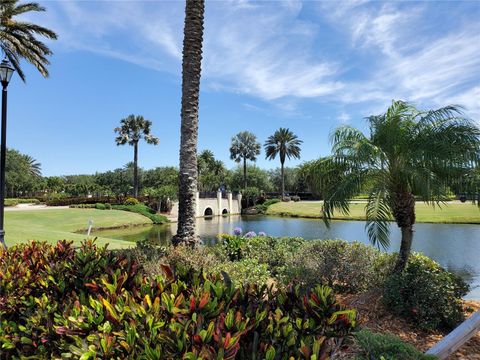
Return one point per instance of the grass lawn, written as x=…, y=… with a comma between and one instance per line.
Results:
x=452, y=212
x=58, y=224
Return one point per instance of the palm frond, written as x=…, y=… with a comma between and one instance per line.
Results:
x=244, y=146
x=18, y=39
x=378, y=217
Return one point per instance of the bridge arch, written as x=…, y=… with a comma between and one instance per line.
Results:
x=224, y=212
x=208, y=212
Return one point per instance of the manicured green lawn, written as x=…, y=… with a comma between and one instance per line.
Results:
x=452, y=212
x=57, y=224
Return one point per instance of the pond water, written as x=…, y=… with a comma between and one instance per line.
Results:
x=454, y=246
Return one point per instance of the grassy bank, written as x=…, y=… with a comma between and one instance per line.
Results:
x=56, y=224
x=454, y=212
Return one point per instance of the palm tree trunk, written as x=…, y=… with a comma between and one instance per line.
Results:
x=282, y=170
x=191, y=71
x=404, y=214
x=405, y=249
x=135, y=170
x=244, y=173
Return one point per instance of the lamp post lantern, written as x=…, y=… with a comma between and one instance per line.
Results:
x=6, y=72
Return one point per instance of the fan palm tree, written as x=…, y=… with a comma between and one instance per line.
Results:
x=244, y=147
x=34, y=168
x=285, y=144
x=408, y=153
x=191, y=72
x=131, y=131
x=18, y=39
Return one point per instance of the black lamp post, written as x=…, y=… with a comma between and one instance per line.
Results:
x=6, y=72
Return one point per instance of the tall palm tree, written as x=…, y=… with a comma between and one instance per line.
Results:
x=191, y=72
x=408, y=153
x=285, y=144
x=18, y=39
x=131, y=131
x=244, y=147
x=34, y=168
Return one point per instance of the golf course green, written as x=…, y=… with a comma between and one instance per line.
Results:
x=454, y=212
x=57, y=224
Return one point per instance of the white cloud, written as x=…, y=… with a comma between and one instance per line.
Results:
x=247, y=47
x=431, y=70
x=270, y=51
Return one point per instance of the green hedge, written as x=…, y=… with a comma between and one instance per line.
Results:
x=16, y=201
x=67, y=201
x=143, y=210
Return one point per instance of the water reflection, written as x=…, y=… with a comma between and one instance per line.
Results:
x=456, y=247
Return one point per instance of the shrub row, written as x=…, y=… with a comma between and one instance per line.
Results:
x=92, y=303
x=98, y=206
x=16, y=201
x=67, y=201
x=143, y=210
x=138, y=208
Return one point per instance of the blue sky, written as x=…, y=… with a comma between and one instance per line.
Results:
x=309, y=66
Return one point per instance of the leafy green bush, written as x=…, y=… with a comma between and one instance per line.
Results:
x=100, y=206
x=262, y=208
x=244, y=272
x=62, y=200
x=16, y=201
x=143, y=210
x=10, y=202
x=83, y=206
x=56, y=302
x=250, y=196
x=347, y=267
x=131, y=201
x=272, y=251
x=108, y=206
x=426, y=294
x=186, y=261
x=386, y=346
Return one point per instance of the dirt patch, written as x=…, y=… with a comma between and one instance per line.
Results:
x=374, y=316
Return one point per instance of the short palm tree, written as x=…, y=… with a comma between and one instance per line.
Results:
x=285, y=144
x=244, y=147
x=408, y=153
x=18, y=39
x=131, y=131
x=191, y=72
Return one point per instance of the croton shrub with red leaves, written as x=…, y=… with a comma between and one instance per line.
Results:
x=91, y=303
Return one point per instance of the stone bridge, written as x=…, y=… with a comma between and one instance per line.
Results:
x=208, y=205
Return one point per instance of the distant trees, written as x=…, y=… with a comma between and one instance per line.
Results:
x=132, y=130
x=22, y=173
x=212, y=173
x=257, y=178
x=244, y=147
x=293, y=180
x=18, y=38
x=285, y=144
